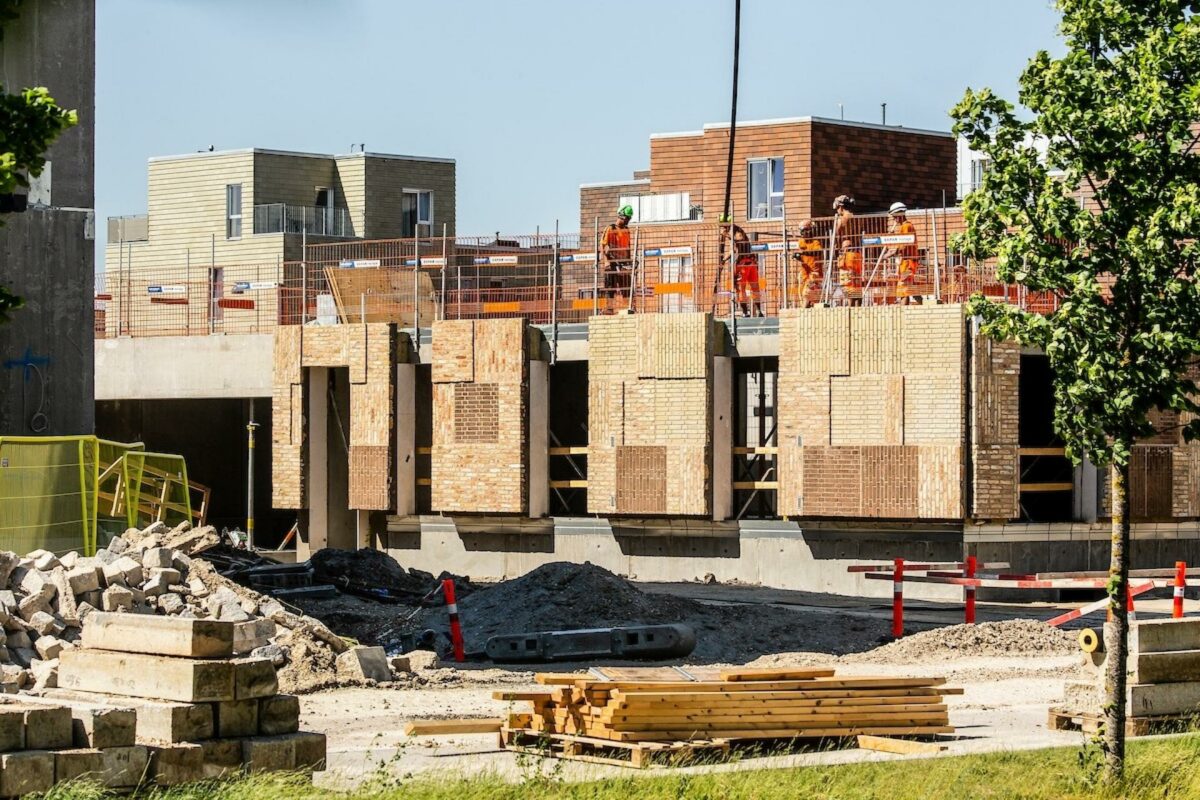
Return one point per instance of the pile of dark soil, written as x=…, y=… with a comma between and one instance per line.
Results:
x=375, y=574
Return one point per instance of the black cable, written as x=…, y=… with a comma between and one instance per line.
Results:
x=737, y=35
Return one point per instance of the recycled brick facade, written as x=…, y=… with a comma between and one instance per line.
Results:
x=871, y=412
x=995, y=429
x=480, y=458
x=823, y=158
x=369, y=354
x=650, y=414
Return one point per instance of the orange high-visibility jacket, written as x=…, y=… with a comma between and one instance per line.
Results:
x=614, y=243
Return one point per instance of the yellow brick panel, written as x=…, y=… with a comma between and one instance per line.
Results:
x=453, y=351
x=940, y=490
x=876, y=334
x=933, y=409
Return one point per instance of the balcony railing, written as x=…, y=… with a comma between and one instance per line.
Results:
x=313, y=220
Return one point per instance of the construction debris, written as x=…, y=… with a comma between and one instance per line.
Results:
x=640, y=715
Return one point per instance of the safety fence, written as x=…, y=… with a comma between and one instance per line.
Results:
x=62, y=493
x=763, y=268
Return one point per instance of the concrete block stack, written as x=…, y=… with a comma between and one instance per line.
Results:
x=200, y=711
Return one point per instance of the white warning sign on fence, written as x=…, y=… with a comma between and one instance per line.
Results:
x=157, y=289
x=895, y=238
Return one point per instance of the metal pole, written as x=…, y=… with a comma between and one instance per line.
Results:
x=304, y=267
x=554, y=299
x=937, y=272
x=596, y=269
x=784, y=267
x=416, y=300
x=212, y=273
x=636, y=266
x=187, y=325
x=250, y=427
x=733, y=304
x=444, y=229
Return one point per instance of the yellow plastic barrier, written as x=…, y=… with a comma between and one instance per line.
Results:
x=48, y=493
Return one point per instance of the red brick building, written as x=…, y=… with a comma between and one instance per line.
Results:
x=793, y=167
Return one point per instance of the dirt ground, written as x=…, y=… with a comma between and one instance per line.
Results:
x=1004, y=705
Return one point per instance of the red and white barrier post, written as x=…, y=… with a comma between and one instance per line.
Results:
x=1180, y=585
x=898, y=598
x=456, y=637
x=969, y=572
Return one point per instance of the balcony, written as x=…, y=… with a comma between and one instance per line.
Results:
x=132, y=228
x=313, y=220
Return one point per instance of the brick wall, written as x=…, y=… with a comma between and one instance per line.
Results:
x=872, y=412
x=995, y=428
x=650, y=414
x=603, y=201
x=480, y=459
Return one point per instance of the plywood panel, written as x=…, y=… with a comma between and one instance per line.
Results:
x=940, y=490
x=370, y=486
x=453, y=351
x=875, y=340
x=641, y=480
x=381, y=294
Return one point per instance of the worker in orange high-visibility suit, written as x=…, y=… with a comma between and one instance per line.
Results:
x=809, y=262
x=618, y=257
x=746, y=284
x=850, y=270
x=906, y=256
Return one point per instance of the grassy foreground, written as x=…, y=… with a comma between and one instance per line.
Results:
x=1157, y=769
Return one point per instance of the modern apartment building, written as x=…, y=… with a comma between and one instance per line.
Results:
x=220, y=225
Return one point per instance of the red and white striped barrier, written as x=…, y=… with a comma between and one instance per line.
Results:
x=456, y=637
x=1099, y=605
x=1178, y=589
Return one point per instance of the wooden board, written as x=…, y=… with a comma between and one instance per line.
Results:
x=441, y=727
x=885, y=744
x=774, y=674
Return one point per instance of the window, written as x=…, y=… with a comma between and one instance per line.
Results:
x=416, y=208
x=764, y=191
x=979, y=166
x=233, y=211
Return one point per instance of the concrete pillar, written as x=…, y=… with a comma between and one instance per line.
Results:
x=539, y=439
x=316, y=474
x=722, y=438
x=406, y=439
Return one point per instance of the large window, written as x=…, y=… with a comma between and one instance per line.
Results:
x=233, y=211
x=764, y=190
x=416, y=208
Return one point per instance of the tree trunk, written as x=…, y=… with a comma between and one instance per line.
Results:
x=1116, y=634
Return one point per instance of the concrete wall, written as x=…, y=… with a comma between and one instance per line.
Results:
x=46, y=254
x=180, y=367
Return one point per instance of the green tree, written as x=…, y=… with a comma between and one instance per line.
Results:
x=1105, y=215
x=29, y=122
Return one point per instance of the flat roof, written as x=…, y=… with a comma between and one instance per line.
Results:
x=603, y=184
x=792, y=120
x=299, y=154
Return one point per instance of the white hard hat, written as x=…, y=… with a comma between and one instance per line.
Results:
x=898, y=208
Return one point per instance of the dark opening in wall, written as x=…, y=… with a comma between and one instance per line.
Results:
x=568, y=411
x=424, y=436
x=1046, y=475
x=755, y=439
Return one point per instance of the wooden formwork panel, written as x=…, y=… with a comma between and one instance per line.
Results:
x=889, y=481
x=832, y=482
x=453, y=351
x=815, y=341
x=934, y=338
x=606, y=414
x=940, y=472
x=934, y=410
x=876, y=340
x=501, y=350
x=325, y=346
x=687, y=480
x=381, y=294
x=286, y=366
x=369, y=479
x=371, y=409
x=641, y=480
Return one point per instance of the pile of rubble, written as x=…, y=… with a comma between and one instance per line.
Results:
x=158, y=570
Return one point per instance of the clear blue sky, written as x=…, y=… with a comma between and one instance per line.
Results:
x=532, y=97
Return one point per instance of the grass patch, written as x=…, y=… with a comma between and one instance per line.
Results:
x=1156, y=769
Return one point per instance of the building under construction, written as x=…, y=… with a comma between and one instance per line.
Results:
x=486, y=404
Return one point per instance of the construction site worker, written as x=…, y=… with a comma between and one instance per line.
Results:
x=809, y=262
x=618, y=256
x=850, y=270
x=746, y=285
x=843, y=212
x=905, y=256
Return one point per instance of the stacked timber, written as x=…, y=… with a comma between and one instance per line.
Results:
x=200, y=711
x=1163, y=689
x=709, y=709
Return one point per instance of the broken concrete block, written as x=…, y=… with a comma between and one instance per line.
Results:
x=25, y=773
x=104, y=557
x=102, y=726
x=86, y=608
x=181, y=562
x=157, y=557
x=419, y=660
x=272, y=652
x=69, y=559
x=33, y=582
x=158, y=528
x=44, y=561
x=174, y=764
x=45, y=674
x=174, y=722
x=116, y=598
x=48, y=728
x=131, y=570
x=48, y=647
x=70, y=765
x=114, y=575
x=252, y=634
x=269, y=754
x=197, y=589
x=64, y=600
x=236, y=718
x=364, y=663
x=254, y=678
x=83, y=580
x=171, y=603
x=161, y=580
x=8, y=562
x=222, y=757
x=279, y=715
x=159, y=635
x=137, y=675
x=125, y=767
x=32, y=604
x=310, y=750
x=8, y=601
x=400, y=665
x=12, y=727
x=45, y=624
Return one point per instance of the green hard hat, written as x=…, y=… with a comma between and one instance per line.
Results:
x=724, y=218
x=625, y=211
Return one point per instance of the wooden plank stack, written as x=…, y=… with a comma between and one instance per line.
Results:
x=651, y=710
